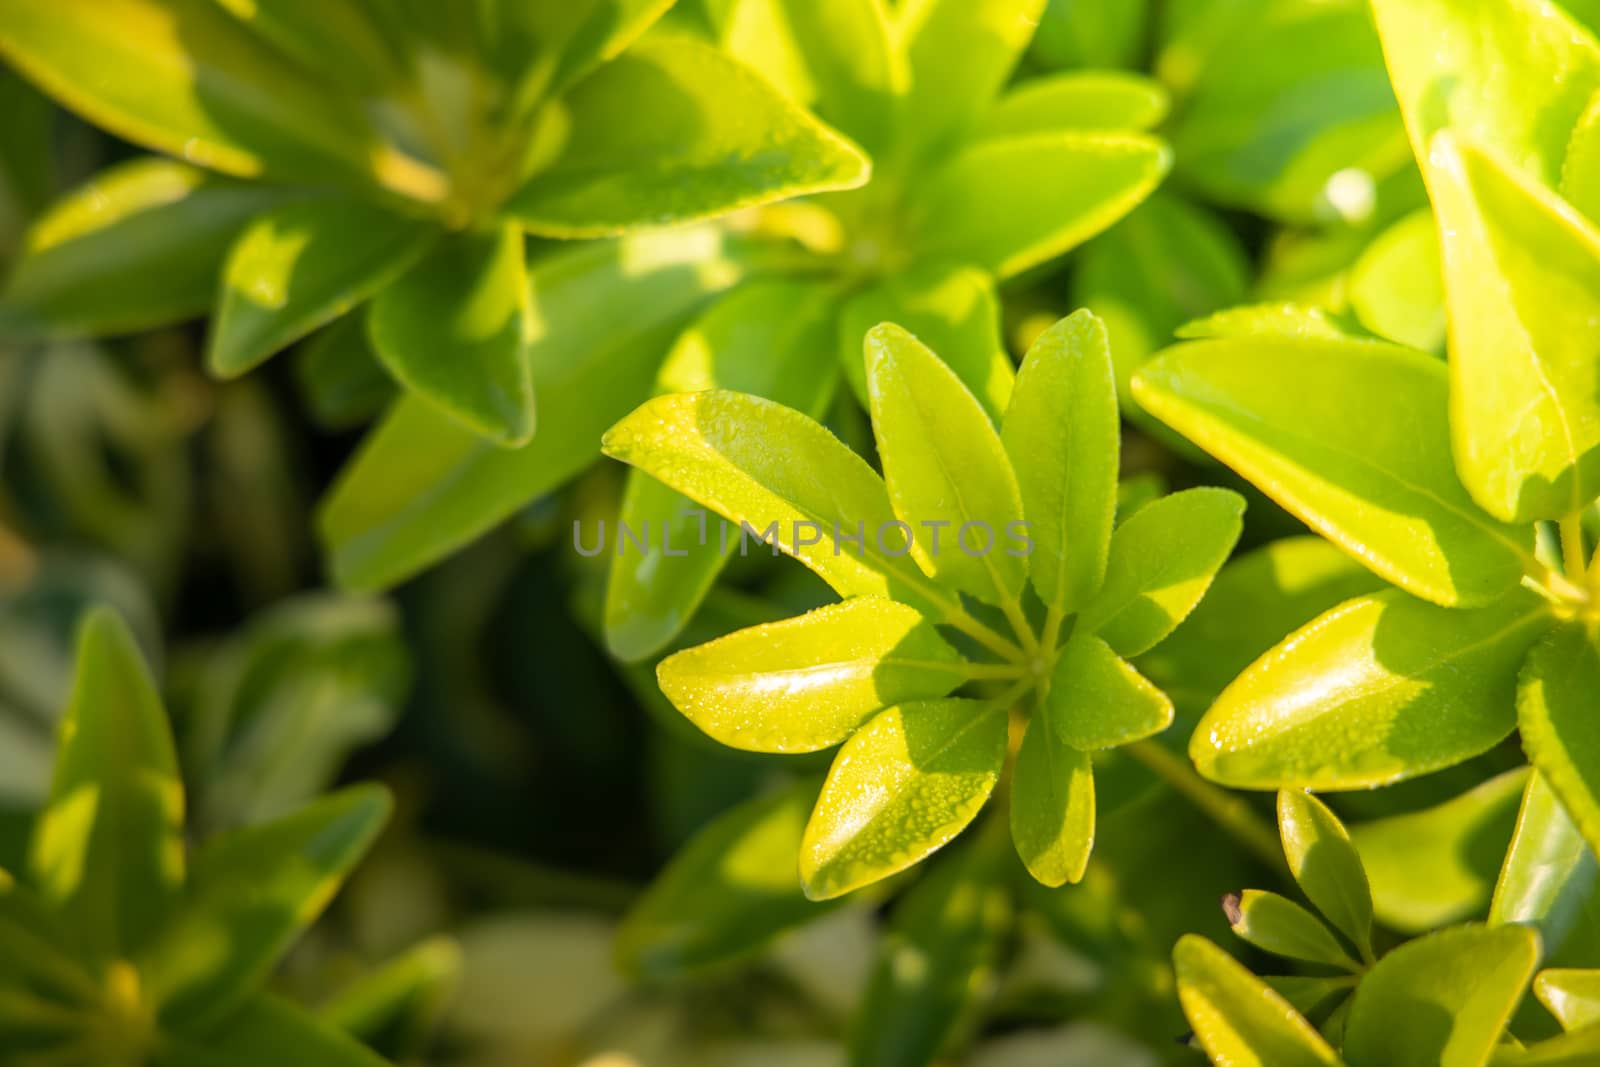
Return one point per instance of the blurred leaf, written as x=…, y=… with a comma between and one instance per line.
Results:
x=1559, y=734
x=944, y=467
x=1096, y=700
x=139, y=246
x=185, y=77
x=763, y=338
x=673, y=131
x=1161, y=563
x=396, y=1007
x=807, y=683
x=1441, y=1000
x=343, y=383
x=300, y=267
x=1062, y=435
x=904, y=784
x=936, y=962
x=1326, y=865
x=1549, y=873
x=1169, y=262
x=1521, y=268
x=1084, y=33
x=1011, y=204
x=732, y=889
x=344, y=41
x=1052, y=805
x=107, y=851
x=1397, y=285
x=1460, y=843
x=1237, y=1018
x=953, y=310
x=590, y=366
x=1382, y=688
x=1292, y=116
x=1080, y=100
x=1368, y=468
x=456, y=330
x=268, y=1032
x=960, y=52
x=252, y=893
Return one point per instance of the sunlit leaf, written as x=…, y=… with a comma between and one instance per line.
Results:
x=1079, y=100
x=900, y=788
x=1096, y=700
x=1052, y=805
x=1549, y=872
x=1238, y=1020
x=1326, y=865
x=1278, y=925
x=1555, y=699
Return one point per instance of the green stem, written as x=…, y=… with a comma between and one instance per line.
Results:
x=960, y=620
x=1053, y=619
x=1000, y=671
x=1019, y=623
x=1229, y=811
x=1573, y=556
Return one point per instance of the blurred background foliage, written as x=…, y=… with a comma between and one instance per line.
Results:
x=543, y=785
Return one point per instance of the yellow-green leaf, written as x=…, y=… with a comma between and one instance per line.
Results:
x=1052, y=805
x=1571, y=994
x=806, y=683
x=1080, y=100
x=1097, y=700
x=1560, y=732
x=1278, y=925
x=1063, y=436
x=1381, y=688
x=947, y=473
x=1326, y=865
x=1351, y=437
x=899, y=789
x=1239, y=1021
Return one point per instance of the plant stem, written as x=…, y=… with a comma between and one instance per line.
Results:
x=960, y=620
x=1002, y=671
x=1053, y=619
x=1232, y=813
x=1019, y=623
x=1573, y=556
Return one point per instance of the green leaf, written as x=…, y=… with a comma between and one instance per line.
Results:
x=936, y=964
x=1580, y=171
x=1460, y=843
x=340, y=377
x=1573, y=996
x=1081, y=101
x=806, y=683
x=1081, y=33
x=1237, y=1018
x=1575, y=1049
x=1325, y=863
x=1052, y=805
x=1278, y=925
x=252, y=893
x=1367, y=467
x=1281, y=321
x=945, y=468
x=1161, y=563
x=1096, y=700
x=1521, y=270
x=137, y=247
x=186, y=78
x=546, y=47
x=590, y=365
x=1397, y=285
x=1169, y=262
x=342, y=40
x=835, y=56
x=899, y=789
x=396, y=1007
x=1465, y=66
x=1549, y=873
x=673, y=130
x=1011, y=204
x=956, y=313
x=456, y=330
x=767, y=467
x=1381, y=688
x=961, y=52
x=1555, y=698
x=1063, y=436
x=107, y=850
x=726, y=894
x=296, y=269
x=1441, y=1000
x=763, y=338
x=268, y=1032
x=1291, y=116
x=1256, y=599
